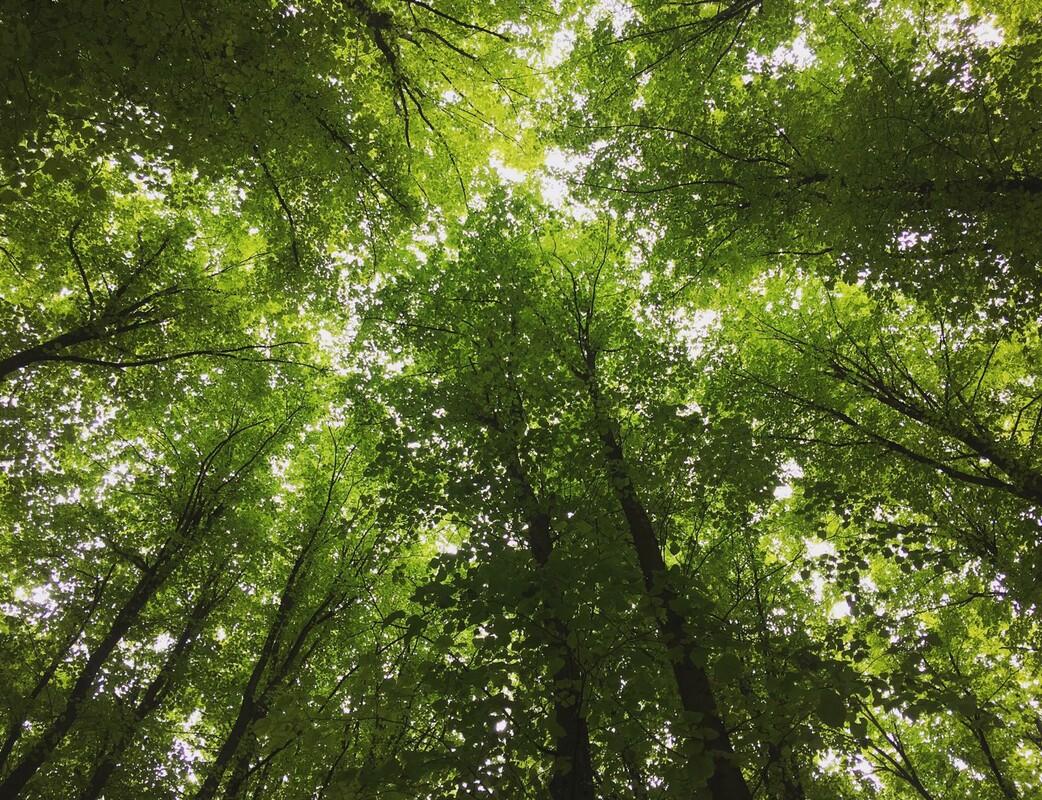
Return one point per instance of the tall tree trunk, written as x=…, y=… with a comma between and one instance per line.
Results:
x=249, y=708
x=197, y=514
x=1005, y=785
x=781, y=762
x=49, y=350
x=256, y=694
x=278, y=655
x=17, y=724
x=148, y=584
x=248, y=711
x=155, y=693
x=572, y=774
x=696, y=695
x=572, y=777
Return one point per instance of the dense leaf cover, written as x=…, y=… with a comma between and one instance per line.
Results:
x=442, y=399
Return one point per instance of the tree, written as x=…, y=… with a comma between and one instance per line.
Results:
x=594, y=401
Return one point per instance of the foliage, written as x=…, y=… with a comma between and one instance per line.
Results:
x=586, y=400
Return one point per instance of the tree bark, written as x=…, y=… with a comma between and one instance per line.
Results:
x=572, y=773
x=17, y=724
x=572, y=776
x=197, y=514
x=696, y=695
x=144, y=590
x=156, y=692
x=49, y=350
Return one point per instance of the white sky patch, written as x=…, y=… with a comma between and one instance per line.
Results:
x=829, y=761
x=864, y=768
x=796, y=55
x=819, y=547
x=559, y=167
x=953, y=31
x=620, y=13
x=506, y=173
x=790, y=471
x=183, y=751
x=162, y=643
x=694, y=327
x=582, y=213
x=560, y=48
x=840, y=610
x=554, y=190
x=986, y=33
x=421, y=256
x=558, y=160
x=71, y=497
x=906, y=240
x=689, y=409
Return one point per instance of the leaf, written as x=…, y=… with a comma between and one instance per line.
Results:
x=832, y=708
x=728, y=667
x=394, y=617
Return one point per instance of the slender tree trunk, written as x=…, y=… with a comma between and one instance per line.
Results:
x=278, y=656
x=253, y=705
x=1024, y=481
x=296, y=655
x=572, y=774
x=696, y=695
x=1004, y=783
x=157, y=691
x=788, y=777
x=196, y=515
x=17, y=724
x=572, y=777
x=237, y=780
x=249, y=708
x=785, y=765
x=638, y=780
x=247, y=713
x=148, y=584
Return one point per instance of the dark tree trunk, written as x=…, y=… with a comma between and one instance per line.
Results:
x=47, y=351
x=572, y=775
x=17, y=724
x=155, y=693
x=696, y=695
x=146, y=587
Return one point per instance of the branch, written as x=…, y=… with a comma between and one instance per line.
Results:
x=468, y=25
x=79, y=264
x=285, y=209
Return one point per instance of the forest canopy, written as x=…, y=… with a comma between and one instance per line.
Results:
x=568, y=399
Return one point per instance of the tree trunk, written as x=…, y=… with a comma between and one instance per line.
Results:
x=696, y=695
x=17, y=724
x=46, y=351
x=196, y=514
x=157, y=691
x=572, y=777
x=146, y=587
x=572, y=774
